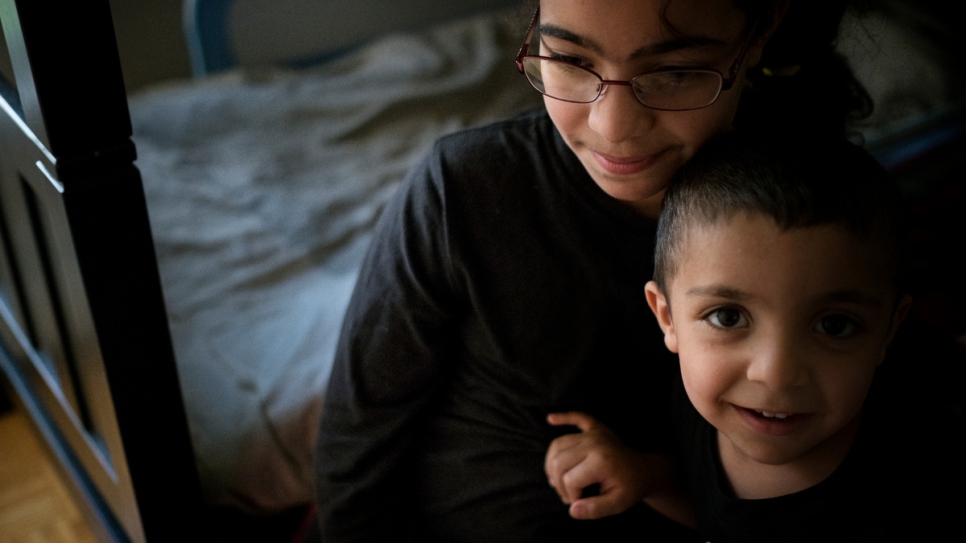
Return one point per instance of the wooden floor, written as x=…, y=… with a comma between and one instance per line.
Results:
x=34, y=505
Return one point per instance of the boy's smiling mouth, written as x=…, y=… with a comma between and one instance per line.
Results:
x=774, y=423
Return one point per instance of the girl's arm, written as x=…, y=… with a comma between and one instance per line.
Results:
x=395, y=338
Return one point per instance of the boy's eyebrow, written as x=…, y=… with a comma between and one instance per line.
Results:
x=839, y=296
x=666, y=46
x=719, y=291
x=854, y=297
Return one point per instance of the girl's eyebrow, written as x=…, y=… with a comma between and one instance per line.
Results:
x=676, y=43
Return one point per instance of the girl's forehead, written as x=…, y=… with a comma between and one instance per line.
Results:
x=630, y=25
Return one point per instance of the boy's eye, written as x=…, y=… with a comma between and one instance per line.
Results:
x=838, y=326
x=727, y=317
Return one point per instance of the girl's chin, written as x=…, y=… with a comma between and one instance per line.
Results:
x=647, y=203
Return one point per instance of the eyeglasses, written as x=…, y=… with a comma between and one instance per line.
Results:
x=667, y=90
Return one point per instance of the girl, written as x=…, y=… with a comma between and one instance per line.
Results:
x=506, y=279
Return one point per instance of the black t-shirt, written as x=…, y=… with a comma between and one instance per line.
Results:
x=902, y=479
x=502, y=284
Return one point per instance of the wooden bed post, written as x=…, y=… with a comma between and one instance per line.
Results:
x=84, y=340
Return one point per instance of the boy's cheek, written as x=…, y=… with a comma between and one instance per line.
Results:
x=699, y=388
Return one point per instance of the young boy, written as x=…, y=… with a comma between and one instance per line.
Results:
x=778, y=282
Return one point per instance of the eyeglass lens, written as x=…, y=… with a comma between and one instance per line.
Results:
x=671, y=90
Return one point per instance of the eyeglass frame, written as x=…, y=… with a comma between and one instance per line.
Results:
x=726, y=82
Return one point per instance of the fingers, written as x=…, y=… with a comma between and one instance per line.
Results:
x=604, y=505
x=576, y=461
x=573, y=418
x=576, y=481
x=616, y=493
x=563, y=455
x=573, y=461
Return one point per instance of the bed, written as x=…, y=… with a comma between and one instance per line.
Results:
x=174, y=264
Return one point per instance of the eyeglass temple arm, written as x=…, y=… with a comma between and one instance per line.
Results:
x=733, y=71
x=526, y=41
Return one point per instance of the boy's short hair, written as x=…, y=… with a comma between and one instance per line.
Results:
x=795, y=180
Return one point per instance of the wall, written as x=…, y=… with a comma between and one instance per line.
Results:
x=150, y=42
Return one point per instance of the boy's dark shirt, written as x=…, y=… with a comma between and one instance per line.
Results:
x=903, y=478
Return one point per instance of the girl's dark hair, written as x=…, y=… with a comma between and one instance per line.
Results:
x=801, y=81
x=799, y=181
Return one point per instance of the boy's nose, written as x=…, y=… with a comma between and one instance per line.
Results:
x=779, y=364
x=617, y=115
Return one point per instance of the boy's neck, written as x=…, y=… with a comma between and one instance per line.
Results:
x=753, y=480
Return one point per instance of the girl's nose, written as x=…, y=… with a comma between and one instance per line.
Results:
x=617, y=115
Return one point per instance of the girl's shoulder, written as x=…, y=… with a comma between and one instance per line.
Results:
x=525, y=131
x=498, y=161
x=523, y=147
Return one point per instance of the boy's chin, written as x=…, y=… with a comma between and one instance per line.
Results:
x=812, y=438
x=772, y=453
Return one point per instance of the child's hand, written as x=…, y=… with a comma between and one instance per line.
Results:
x=595, y=456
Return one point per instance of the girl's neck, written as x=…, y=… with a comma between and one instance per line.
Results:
x=750, y=479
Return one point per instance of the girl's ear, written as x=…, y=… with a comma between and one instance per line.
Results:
x=781, y=8
x=769, y=26
x=661, y=309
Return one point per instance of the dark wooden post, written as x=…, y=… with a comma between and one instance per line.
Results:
x=84, y=337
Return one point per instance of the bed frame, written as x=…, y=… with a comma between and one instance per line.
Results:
x=84, y=342
x=85, y=348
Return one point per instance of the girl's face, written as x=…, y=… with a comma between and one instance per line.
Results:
x=629, y=150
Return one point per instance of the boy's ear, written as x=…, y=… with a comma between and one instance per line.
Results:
x=661, y=309
x=899, y=315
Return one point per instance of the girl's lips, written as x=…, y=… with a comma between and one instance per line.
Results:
x=624, y=166
x=772, y=423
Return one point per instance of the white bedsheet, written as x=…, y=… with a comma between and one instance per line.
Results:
x=262, y=189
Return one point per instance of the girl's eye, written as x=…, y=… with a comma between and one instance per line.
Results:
x=838, y=326
x=567, y=58
x=727, y=317
x=674, y=71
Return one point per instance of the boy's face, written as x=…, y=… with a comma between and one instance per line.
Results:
x=779, y=333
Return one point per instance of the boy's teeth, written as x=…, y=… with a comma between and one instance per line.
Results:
x=774, y=415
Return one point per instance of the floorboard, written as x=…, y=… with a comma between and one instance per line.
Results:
x=34, y=505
